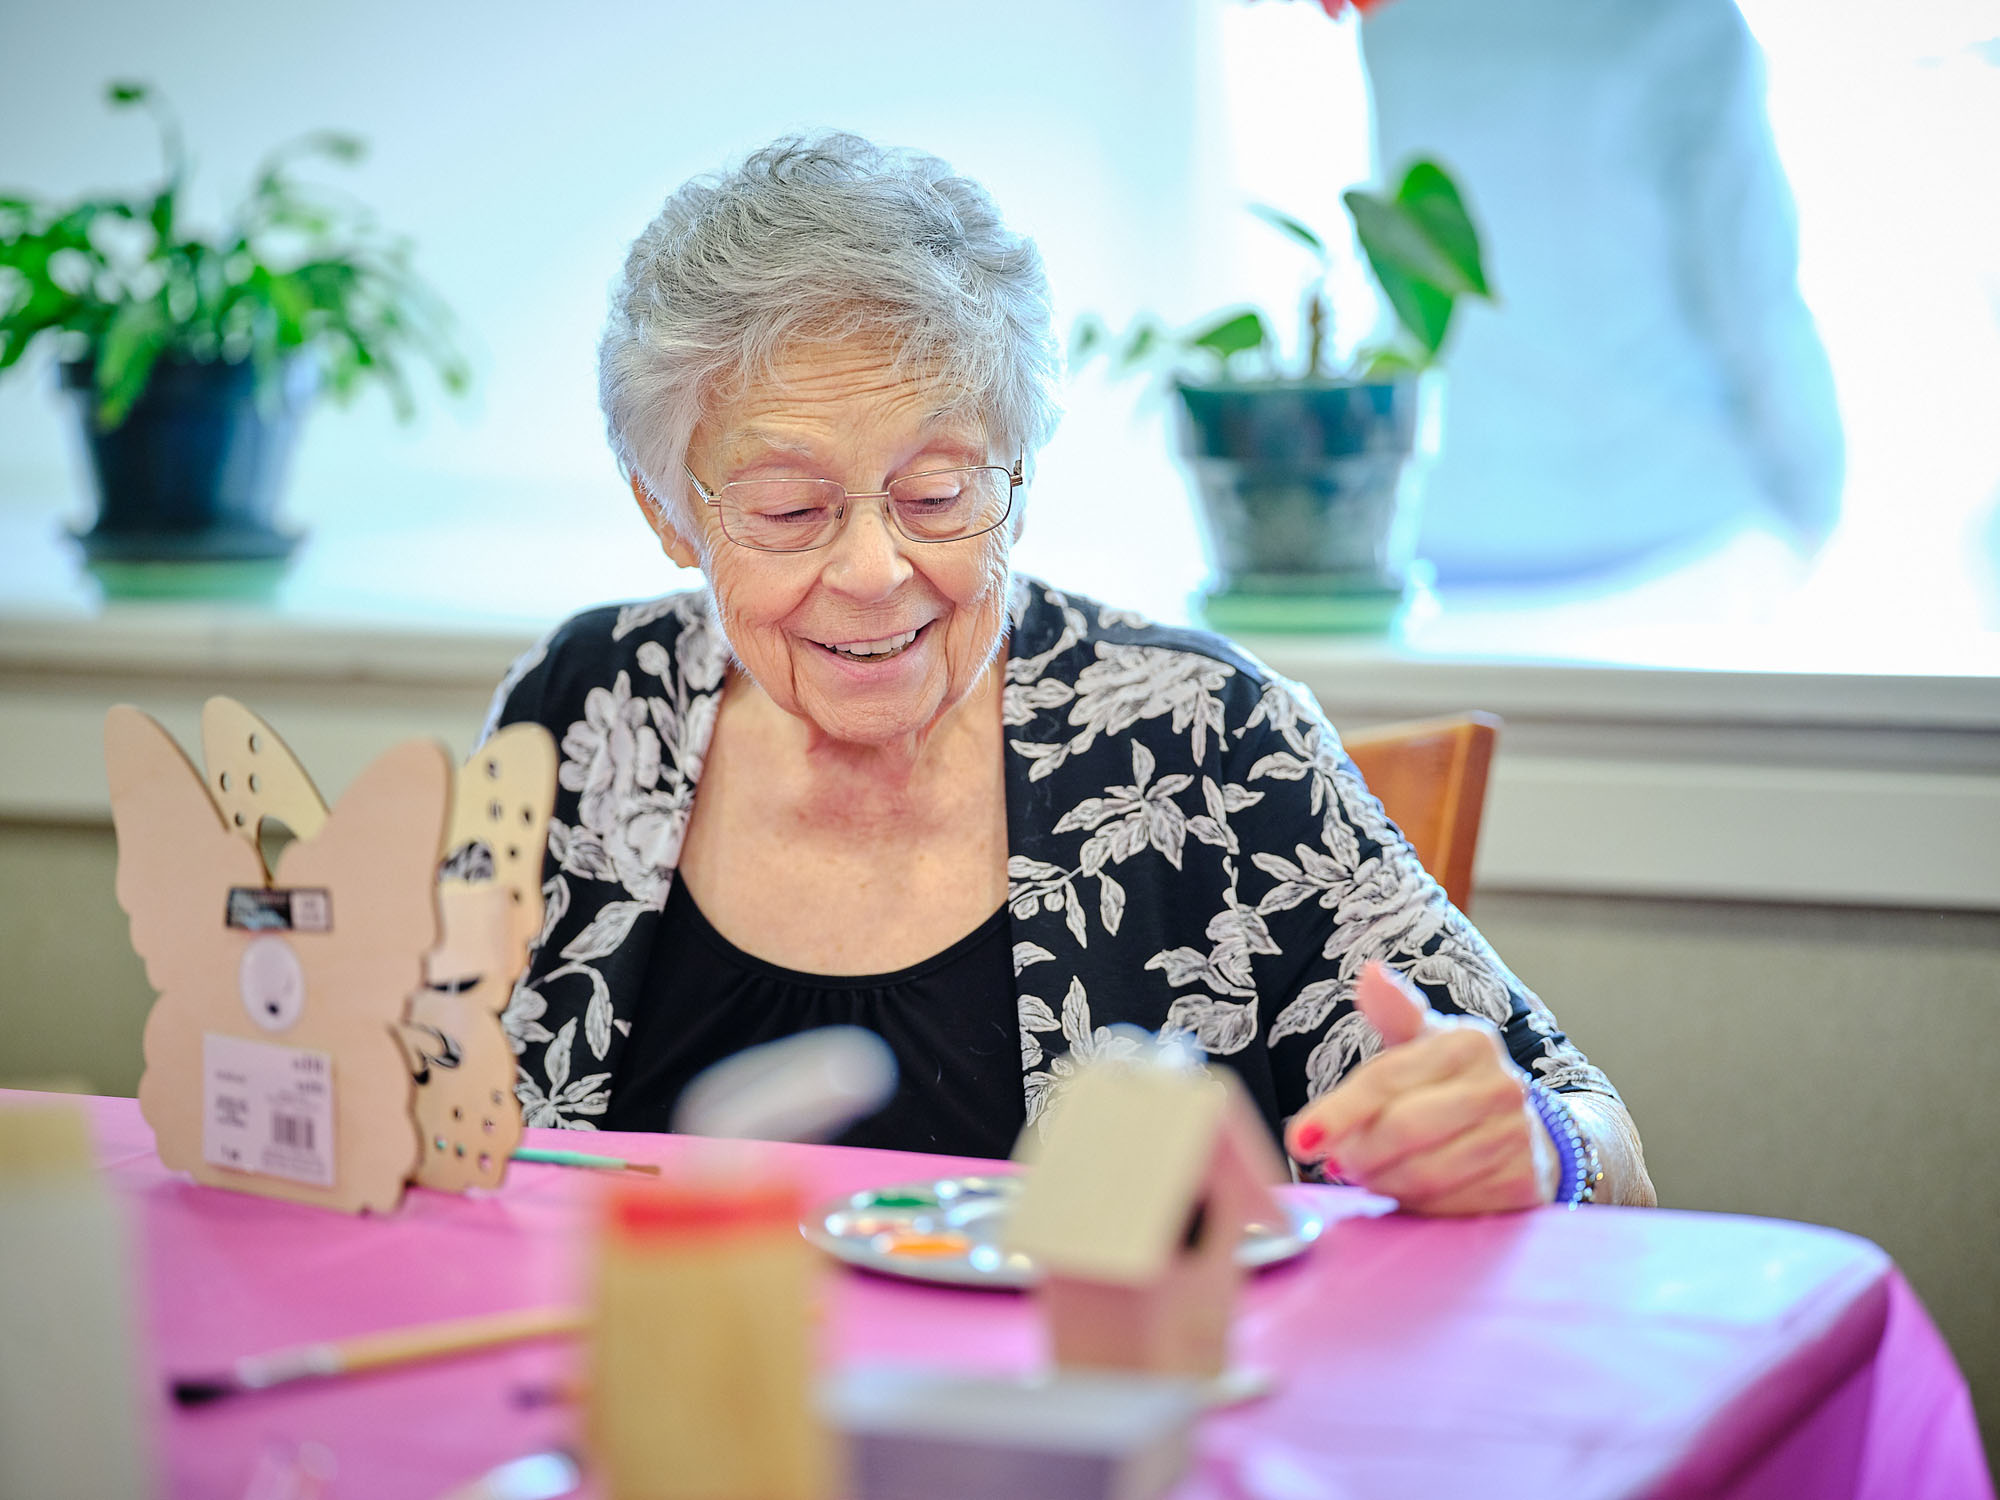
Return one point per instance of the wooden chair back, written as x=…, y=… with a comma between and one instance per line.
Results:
x=1430, y=775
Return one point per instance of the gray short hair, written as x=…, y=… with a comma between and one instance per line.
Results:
x=817, y=238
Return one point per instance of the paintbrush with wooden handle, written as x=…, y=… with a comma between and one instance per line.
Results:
x=374, y=1351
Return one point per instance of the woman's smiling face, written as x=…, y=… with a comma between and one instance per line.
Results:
x=843, y=412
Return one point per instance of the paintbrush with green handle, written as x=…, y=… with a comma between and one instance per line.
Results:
x=552, y=1158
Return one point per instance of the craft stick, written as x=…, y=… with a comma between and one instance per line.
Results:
x=374, y=1351
x=583, y=1159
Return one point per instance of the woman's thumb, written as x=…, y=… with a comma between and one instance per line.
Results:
x=1393, y=1005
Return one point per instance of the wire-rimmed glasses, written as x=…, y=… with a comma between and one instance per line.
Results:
x=797, y=515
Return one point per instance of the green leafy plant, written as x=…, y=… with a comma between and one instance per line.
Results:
x=1421, y=245
x=299, y=271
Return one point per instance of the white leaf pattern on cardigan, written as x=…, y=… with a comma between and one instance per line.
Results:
x=1255, y=873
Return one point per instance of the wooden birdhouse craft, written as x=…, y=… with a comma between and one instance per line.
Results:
x=1136, y=1198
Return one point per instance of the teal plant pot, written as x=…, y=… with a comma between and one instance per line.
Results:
x=188, y=485
x=1309, y=496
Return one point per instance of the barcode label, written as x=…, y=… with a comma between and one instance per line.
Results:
x=267, y=1109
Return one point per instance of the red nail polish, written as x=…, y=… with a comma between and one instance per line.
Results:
x=1309, y=1136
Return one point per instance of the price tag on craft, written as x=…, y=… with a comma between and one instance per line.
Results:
x=272, y=1062
x=267, y=1109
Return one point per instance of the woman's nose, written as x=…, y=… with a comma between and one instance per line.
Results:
x=867, y=560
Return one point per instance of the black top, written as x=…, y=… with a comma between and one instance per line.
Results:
x=951, y=1022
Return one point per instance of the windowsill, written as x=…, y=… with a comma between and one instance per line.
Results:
x=1643, y=754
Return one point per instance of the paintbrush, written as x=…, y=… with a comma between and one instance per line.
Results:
x=374, y=1351
x=582, y=1159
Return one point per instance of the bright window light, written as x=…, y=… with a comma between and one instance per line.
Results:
x=1885, y=118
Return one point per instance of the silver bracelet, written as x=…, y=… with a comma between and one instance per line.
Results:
x=1581, y=1170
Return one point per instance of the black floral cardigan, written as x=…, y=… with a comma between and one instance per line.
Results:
x=1189, y=850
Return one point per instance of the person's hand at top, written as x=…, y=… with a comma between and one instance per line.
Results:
x=1440, y=1119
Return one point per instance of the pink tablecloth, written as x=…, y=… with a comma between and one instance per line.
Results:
x=1607, y=1352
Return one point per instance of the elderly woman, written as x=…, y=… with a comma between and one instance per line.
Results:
x=869, y=775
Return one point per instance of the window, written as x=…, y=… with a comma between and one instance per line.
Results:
x=1886, y=120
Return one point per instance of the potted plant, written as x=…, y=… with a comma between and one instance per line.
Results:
x=192, y=358
x=1309, y=478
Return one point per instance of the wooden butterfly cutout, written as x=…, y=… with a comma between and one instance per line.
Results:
x=272, y=1060
x=489, y=910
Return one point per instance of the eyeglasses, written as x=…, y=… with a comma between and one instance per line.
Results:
x=797, y=515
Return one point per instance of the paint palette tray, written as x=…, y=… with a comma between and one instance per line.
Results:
x=950, y=1230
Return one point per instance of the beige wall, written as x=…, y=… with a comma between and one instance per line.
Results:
x=1833, y=1065
x=73, y=995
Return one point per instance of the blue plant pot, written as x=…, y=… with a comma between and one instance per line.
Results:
x=1309, y=497
x=194, y=472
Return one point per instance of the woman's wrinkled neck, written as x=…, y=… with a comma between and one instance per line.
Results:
x=842, y=781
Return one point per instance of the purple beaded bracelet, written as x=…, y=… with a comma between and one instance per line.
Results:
x=1581, y=1170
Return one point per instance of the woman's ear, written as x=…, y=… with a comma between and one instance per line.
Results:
x=673, y=541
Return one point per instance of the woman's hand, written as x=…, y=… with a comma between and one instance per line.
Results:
x=1438, y=1120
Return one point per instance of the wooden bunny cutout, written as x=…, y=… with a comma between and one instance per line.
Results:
x=490, y=905
x=272, y=1064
